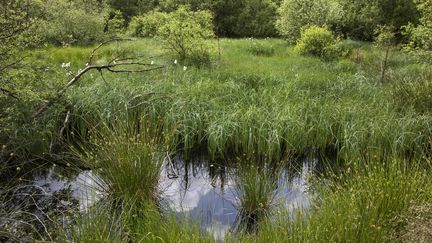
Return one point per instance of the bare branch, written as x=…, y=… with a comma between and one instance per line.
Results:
x=117, y=62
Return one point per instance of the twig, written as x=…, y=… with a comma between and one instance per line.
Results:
x=103, y=78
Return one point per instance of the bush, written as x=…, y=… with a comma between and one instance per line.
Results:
x=297, y=14
x=115, y=24
x=184, y=35
x=71, y=22
x=420, y=36
x=320, y=42
x=147, y=25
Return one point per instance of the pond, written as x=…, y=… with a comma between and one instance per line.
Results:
x=208, y=192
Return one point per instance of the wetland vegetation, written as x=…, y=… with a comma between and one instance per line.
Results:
x=181, y=127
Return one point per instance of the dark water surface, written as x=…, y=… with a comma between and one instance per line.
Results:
x=209, y=192
x=205, y=191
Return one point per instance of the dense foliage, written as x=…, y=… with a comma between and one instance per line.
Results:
x=360, y=18
x=184, y=34
x=317, y=41
x=420, y=36
x=17, y=87
x=71, y=22
x=297, y=14
x=231, y=18
x=350, y=18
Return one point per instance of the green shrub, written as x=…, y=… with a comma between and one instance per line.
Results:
x=147, y=25
x=185, y=33
x=420, y=36
x=297, y=14
x=115, y=24
x=320, y=42
x=71, y=22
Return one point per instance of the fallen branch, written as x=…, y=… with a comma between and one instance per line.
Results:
x=125, y=63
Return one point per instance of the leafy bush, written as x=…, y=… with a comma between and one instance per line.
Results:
x=320, y=42
x=71, y=22
x=241, y=18
x=420, y=36
x=115, y=24
x=184, y=35
x=297, y=14
x=147, y=25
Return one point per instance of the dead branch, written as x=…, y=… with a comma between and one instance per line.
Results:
x=125, y=63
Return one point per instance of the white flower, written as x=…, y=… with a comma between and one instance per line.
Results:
x=152, y=62
x=184, y=68
x=69, y=73
x=175, y=61
x=65, y=65
x=87, y=64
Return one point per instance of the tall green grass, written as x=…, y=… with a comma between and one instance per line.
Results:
x=358, y=206
x=126, y=156
x=257, y=185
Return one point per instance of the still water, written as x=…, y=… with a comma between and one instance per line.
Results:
x=205, y=191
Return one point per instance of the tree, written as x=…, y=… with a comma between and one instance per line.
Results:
x=360, y=18
x=257, y=19
x=16, y=34
x=15, y=23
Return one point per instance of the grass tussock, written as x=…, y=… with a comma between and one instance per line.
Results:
x=257, y=186
x=126, y=158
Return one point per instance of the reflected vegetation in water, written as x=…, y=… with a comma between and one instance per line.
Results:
x=209, y=192
x=44, y=200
